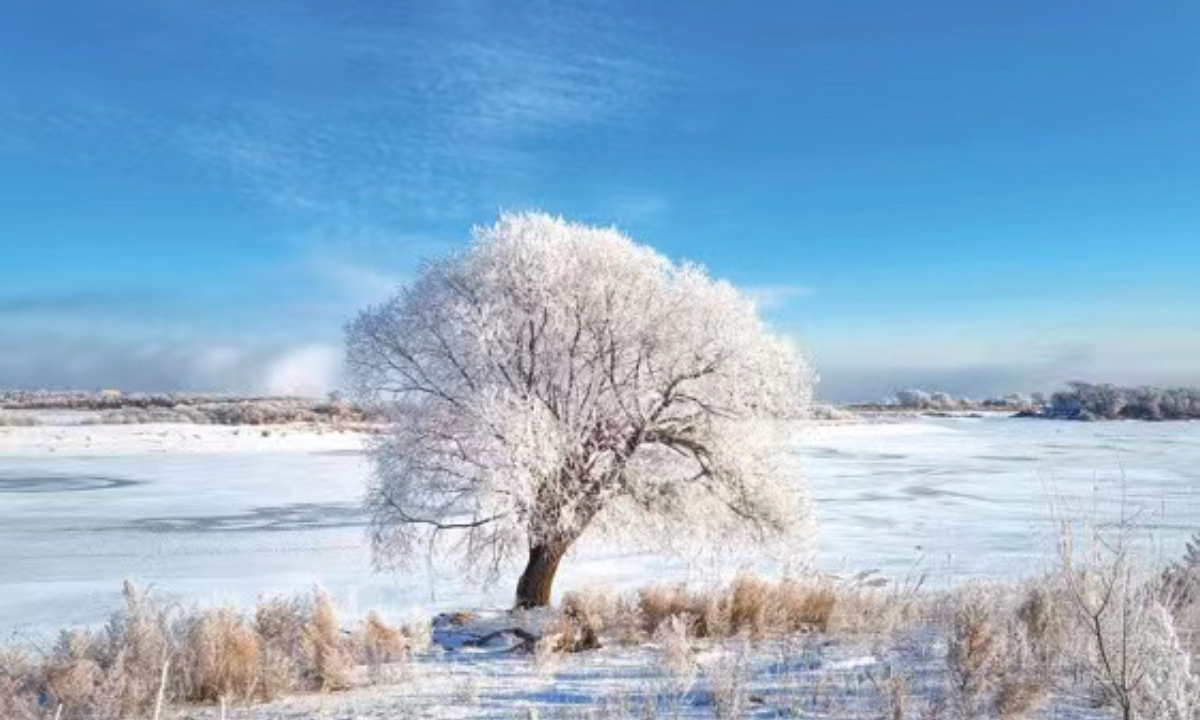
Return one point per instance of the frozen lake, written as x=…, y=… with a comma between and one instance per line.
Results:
x=221, y=514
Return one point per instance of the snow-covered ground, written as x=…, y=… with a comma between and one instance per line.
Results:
x=804, y=676
x=224, y=514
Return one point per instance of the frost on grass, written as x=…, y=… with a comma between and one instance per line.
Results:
x=804, y=647
x=154, y=649
x=554, y=379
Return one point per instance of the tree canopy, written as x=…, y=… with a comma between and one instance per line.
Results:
x=552, y=379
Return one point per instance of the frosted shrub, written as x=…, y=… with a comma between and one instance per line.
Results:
x=1130, y=618
x=728, y=682
x=863, y=609
x=626, y=624
x=77, y=682
x=1181, y=585
x=1172, y=687
x=674, y=640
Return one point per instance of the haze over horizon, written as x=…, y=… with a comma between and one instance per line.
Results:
x=975, y=197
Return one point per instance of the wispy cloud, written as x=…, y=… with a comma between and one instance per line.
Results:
x=442, y=110
x=405, y=113
x=72, y=302
x=775, y=297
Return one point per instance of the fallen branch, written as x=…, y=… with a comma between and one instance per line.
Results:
x=528, y=640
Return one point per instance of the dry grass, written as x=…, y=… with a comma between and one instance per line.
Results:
x=1003, y=646
x=196, y=655
x=327, y=653
x=18, y=686
x=381, y=642
x=996, y=650
x=116, y=672
x=220, y=658
x=750, y=605
x=279, y=624
x=974, y=649
x=658, y=604
x=1019, y=697
x=1045, y=623
x=805, y=606
x=382, y=645
x=304, y=646
x=895, y=698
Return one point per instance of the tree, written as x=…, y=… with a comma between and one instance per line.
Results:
x=552, y=379
x=913, y=398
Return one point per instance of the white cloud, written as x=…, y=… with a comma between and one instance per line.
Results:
x=871, y=363
x=310, y=371
x=163, y=365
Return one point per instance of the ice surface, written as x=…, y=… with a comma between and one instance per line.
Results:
x=225, y=514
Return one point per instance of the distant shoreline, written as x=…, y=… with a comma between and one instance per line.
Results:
x=1080, y=402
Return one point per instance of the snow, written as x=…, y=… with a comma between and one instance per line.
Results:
x=975, y=497
x=211, y=513
x=59, y=435
x=805, y=675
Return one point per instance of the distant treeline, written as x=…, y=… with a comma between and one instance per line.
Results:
x=917, y=400
x=137, y=408
x=1085, y=401
x=1080, y=401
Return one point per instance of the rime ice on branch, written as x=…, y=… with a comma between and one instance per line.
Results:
x=553, y=379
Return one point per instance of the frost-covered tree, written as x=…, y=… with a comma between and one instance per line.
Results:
x=554, y=379
x=943, y=401
x=912, y=398
x=1111, y=402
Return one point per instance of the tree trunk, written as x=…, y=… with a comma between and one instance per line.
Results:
x=533, y=589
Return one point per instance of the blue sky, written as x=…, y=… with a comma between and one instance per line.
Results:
x=977, y=196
